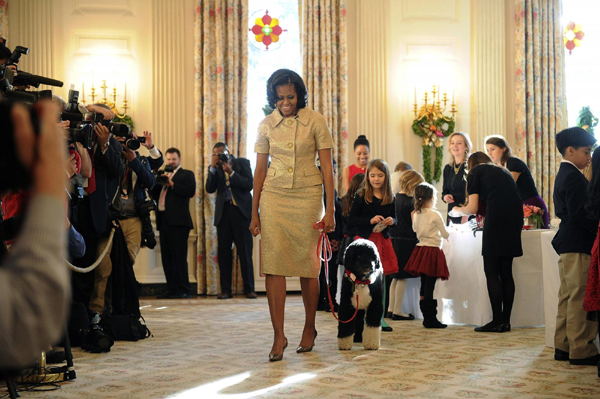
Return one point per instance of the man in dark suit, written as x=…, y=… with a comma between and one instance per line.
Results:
x=232, y=179
x=174, y=222
x=92, y=212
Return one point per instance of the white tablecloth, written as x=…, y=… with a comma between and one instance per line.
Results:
x=465, y=297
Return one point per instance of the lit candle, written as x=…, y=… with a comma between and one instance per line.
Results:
x=452, y=96
x=415, y=95
x=125, y=95
x=93, y=78
x=114, y=79
x=82, y=91
x=104, y=87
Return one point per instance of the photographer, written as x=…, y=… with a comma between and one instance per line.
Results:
x=34, y=281
x=125, y=210
x=232, y=179
x=174, y=222
x=92, y=211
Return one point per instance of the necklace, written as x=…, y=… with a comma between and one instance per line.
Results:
x=457, y=169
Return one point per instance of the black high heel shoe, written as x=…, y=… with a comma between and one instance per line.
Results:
x=498, y=328
x=304, y=349
x=506, y=327
x=275, y=357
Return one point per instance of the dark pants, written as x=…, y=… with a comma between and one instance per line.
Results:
x=83, y=283
x=234, y=228
x=500, y=285
x=173, y=253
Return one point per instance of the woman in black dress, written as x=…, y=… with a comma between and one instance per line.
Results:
x=500, y=153
x=496, y=188
x=455, y=173
x=404, y=240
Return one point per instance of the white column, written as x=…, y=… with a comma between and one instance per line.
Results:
x=168, y=76
x=32, y=26
x=371, y=78
x=488, y=80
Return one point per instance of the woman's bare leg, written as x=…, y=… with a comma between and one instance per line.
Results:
x=276, y=292
x=310, y=296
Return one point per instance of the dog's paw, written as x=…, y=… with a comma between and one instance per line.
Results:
x=345, y=344
x=371, y=338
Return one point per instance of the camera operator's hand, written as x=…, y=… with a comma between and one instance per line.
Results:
x=170, y=182
x=44, y=156
x=226, y=168
x=215, y=161
x=102, y=133
x=71, y=166
x=106, y=113
x=148, y=144
x=128, y=153
x=64, y=124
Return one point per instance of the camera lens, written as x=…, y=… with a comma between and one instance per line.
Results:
x=132, y=144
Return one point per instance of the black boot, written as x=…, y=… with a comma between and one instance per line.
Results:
x=429, y=309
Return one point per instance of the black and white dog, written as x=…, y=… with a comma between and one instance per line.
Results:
x=364, y=277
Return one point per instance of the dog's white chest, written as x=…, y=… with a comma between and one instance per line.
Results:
x=364, y=296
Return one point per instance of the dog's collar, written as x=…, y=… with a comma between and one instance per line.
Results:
x=352, y=277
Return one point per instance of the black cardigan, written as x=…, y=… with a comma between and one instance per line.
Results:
x=362, y=213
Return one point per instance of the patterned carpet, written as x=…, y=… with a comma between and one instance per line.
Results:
x=208, y=348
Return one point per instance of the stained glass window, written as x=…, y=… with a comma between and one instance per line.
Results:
x=278, y=29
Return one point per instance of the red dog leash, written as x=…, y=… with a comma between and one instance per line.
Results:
x=324, y=254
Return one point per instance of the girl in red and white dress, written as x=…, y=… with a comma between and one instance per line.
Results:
x=428, y=259
x=361, y=151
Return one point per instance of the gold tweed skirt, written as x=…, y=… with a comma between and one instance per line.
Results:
x=288, y=240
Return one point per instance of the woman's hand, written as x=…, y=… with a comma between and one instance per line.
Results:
x=328, y=223
x=377, y=219
x=448, y=198
x=255, y=226
x=388, y=221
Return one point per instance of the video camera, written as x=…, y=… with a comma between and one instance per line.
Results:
x=10, y=78
x=161, y=177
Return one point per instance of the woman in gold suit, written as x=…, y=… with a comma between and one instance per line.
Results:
x=289, y=195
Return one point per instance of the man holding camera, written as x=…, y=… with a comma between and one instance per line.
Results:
x=232, y=179
x=174, y=222
x=125, y=211
x=99, y=190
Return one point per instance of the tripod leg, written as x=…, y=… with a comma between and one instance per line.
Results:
x=12, y=389
x=70, y=374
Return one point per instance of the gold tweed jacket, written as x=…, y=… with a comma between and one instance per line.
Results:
x=292, y=144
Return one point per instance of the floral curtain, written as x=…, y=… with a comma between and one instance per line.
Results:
x=4, y=19
x=540, y=89
x=220, y=94
x=324, y=67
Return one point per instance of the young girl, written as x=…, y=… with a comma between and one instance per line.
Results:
x=373, y=211
x=361, y=151
x=428, y=259
x=404, y=241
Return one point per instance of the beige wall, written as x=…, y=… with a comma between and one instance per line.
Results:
x=463, y=45
x=426, y=43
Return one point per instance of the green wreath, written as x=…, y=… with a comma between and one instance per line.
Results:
x=433, y=134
